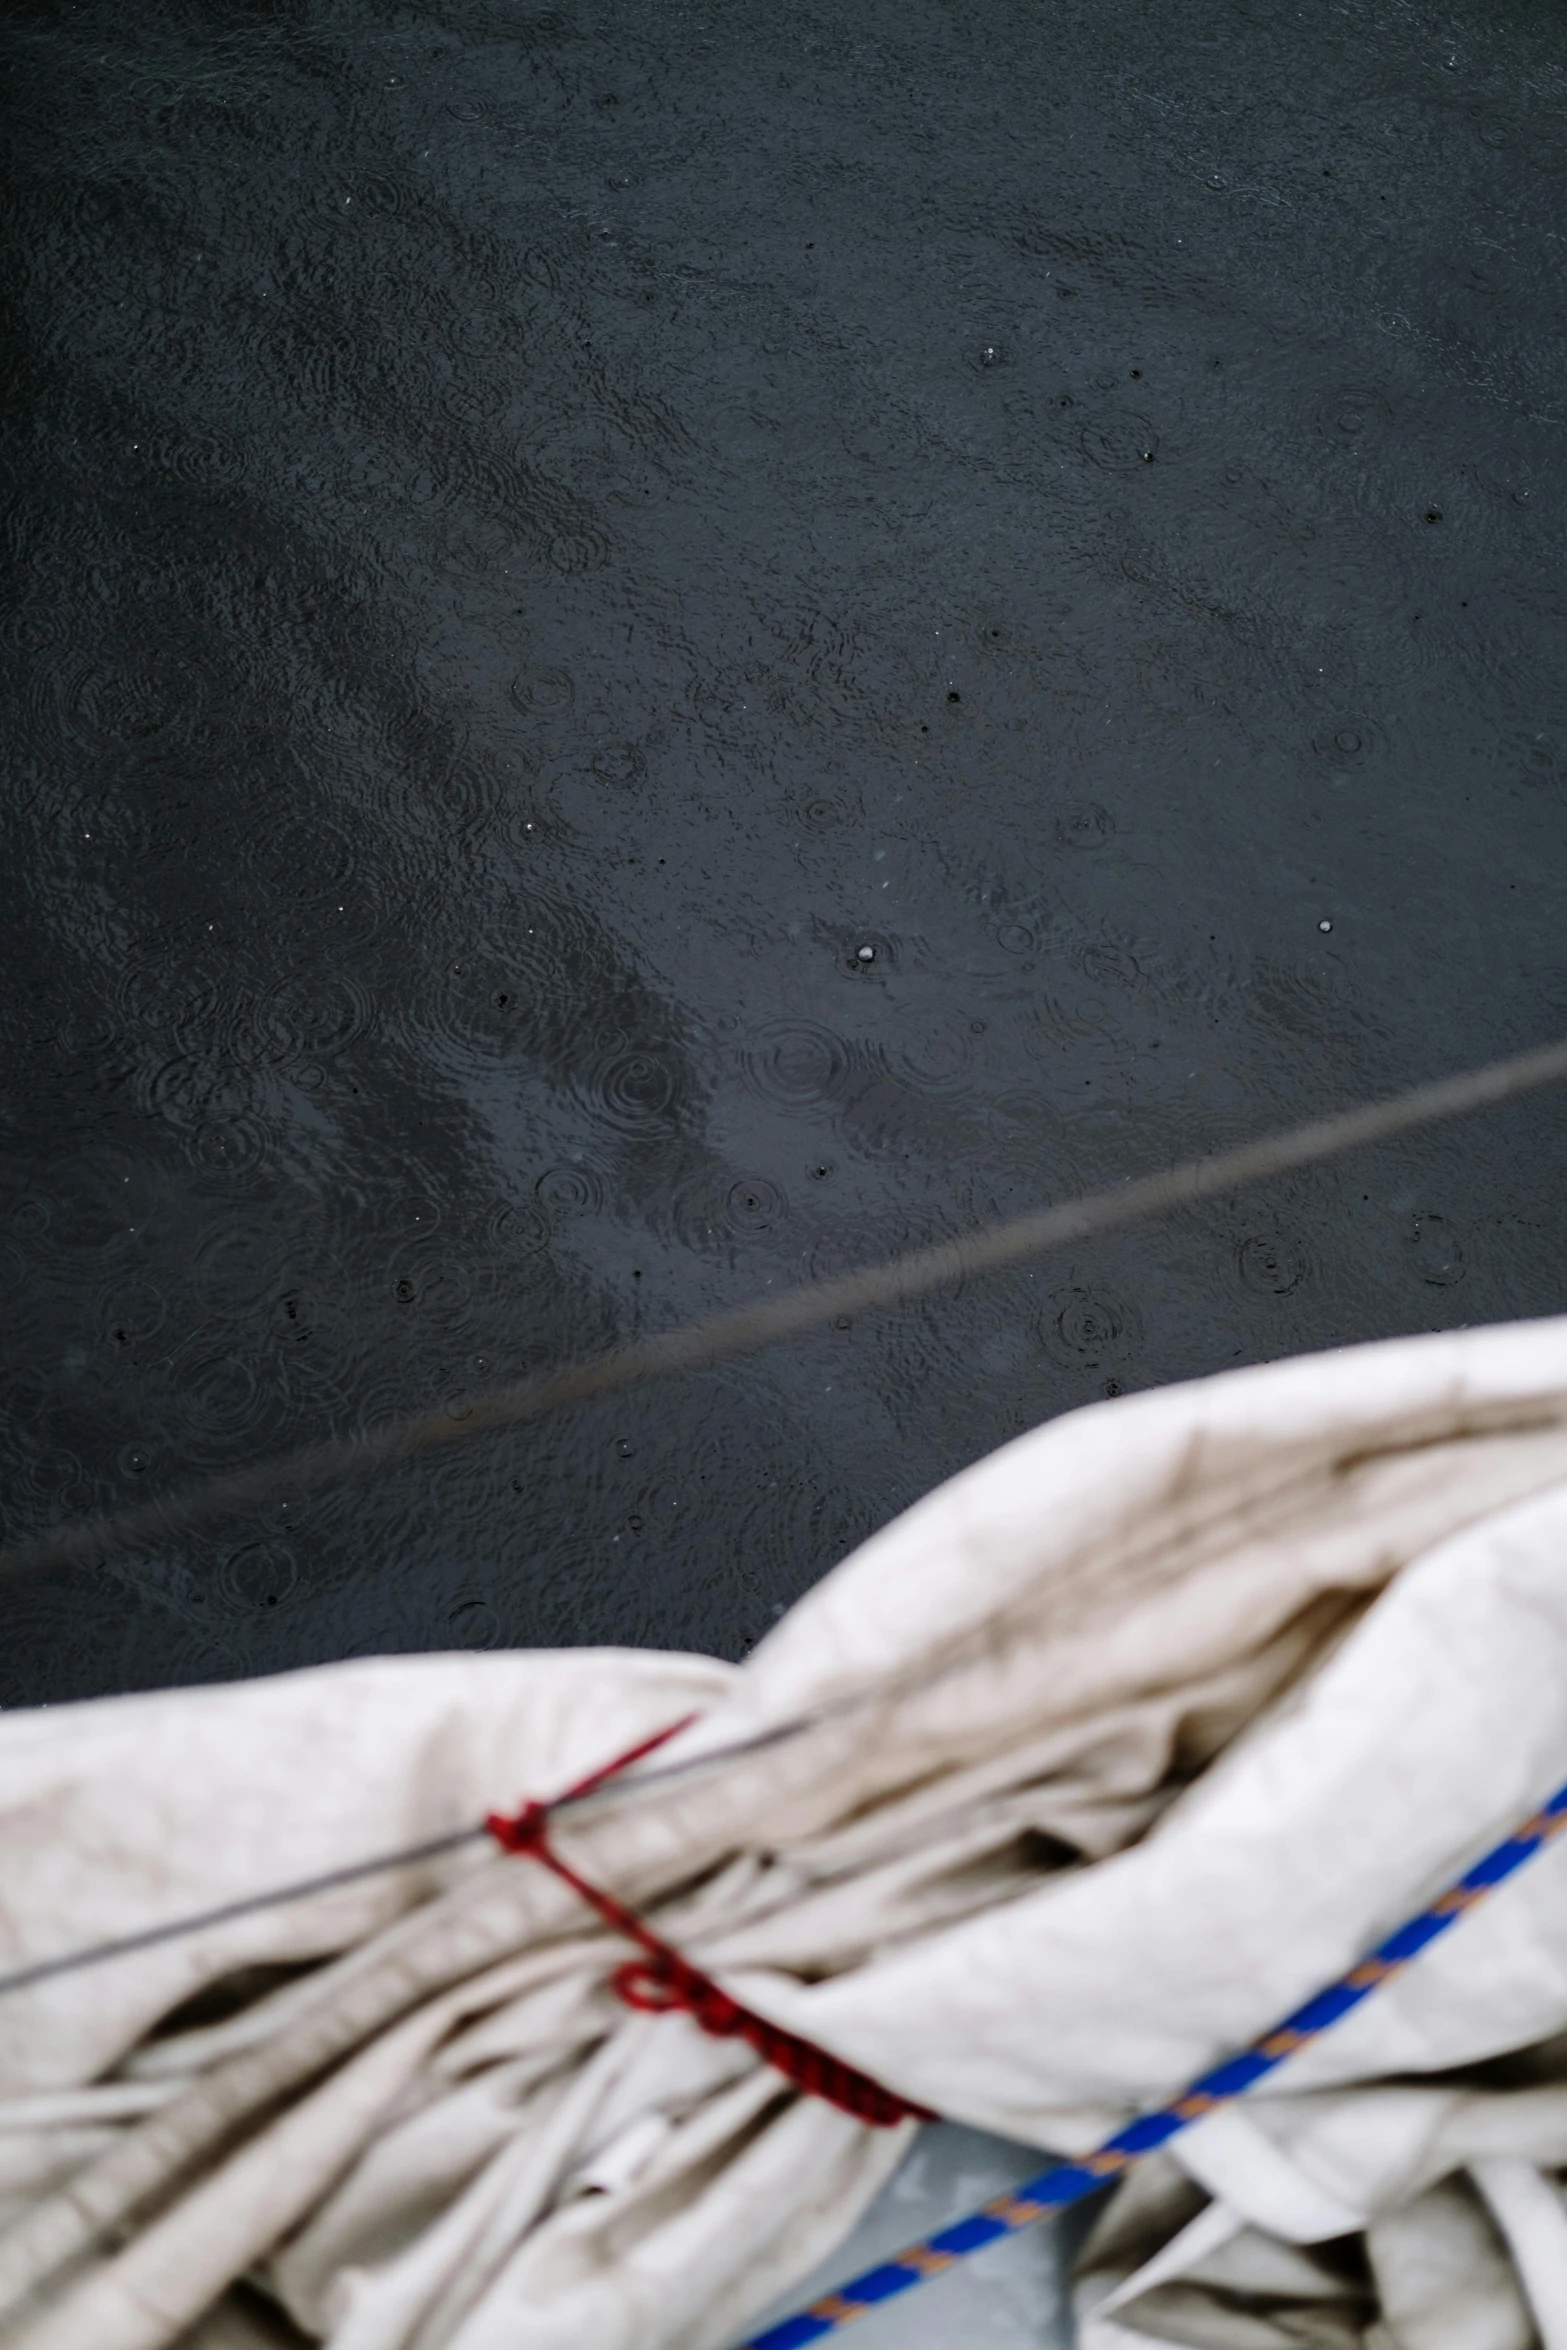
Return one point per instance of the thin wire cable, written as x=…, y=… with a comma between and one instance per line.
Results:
x=410, y=1855
x=94, y=1953
x=762, y=1323
x=982, y=1251
x=955, y=1657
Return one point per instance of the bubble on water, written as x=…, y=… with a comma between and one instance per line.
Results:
x=715, y=1211
x=572, y=1189
x=797, y=1064
x=544, y=693
x=256, y=1576
x=936, y=1060
x=1351, y=742
x=135, y=1310
x=223, y=1408
x=1270, y=1264
x=142, y=705
x=826, y=812
x=1090, y=1328
x=754, y=1204
x=1353, y=412
x=432, y=1278
x=1435, y=1251
x=1120, y=443
x=519, y=1231
x=624, y=765
x=1084, y=824
x=869, y=954
x=637, y=1089
x=473, y=1623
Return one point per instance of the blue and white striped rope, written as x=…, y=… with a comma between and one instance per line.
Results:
x=1070, y=2182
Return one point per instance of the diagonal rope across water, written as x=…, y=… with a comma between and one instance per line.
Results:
x=745, y=1328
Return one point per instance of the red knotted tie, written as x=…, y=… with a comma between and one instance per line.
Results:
x=662, y=1979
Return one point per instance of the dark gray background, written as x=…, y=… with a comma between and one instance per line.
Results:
x=535, y=534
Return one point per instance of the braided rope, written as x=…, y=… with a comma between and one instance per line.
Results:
x=1071, y=2182
x=663, y=1981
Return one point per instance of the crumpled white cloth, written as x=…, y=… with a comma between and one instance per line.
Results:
x=1124, y=1742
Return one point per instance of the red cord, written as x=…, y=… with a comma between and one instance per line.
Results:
x=662, y=1980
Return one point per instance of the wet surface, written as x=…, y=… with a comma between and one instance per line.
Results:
x=649, y=652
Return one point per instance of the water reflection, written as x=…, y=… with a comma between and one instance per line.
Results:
x=609, y=705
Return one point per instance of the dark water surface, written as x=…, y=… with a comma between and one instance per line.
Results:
x=535, y=536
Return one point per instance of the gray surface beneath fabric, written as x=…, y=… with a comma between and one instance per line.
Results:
x=1012, y=2296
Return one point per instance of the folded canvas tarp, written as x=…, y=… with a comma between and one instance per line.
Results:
x=1123, y=1743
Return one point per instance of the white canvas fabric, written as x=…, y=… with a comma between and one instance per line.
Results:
x=1124, y=1742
